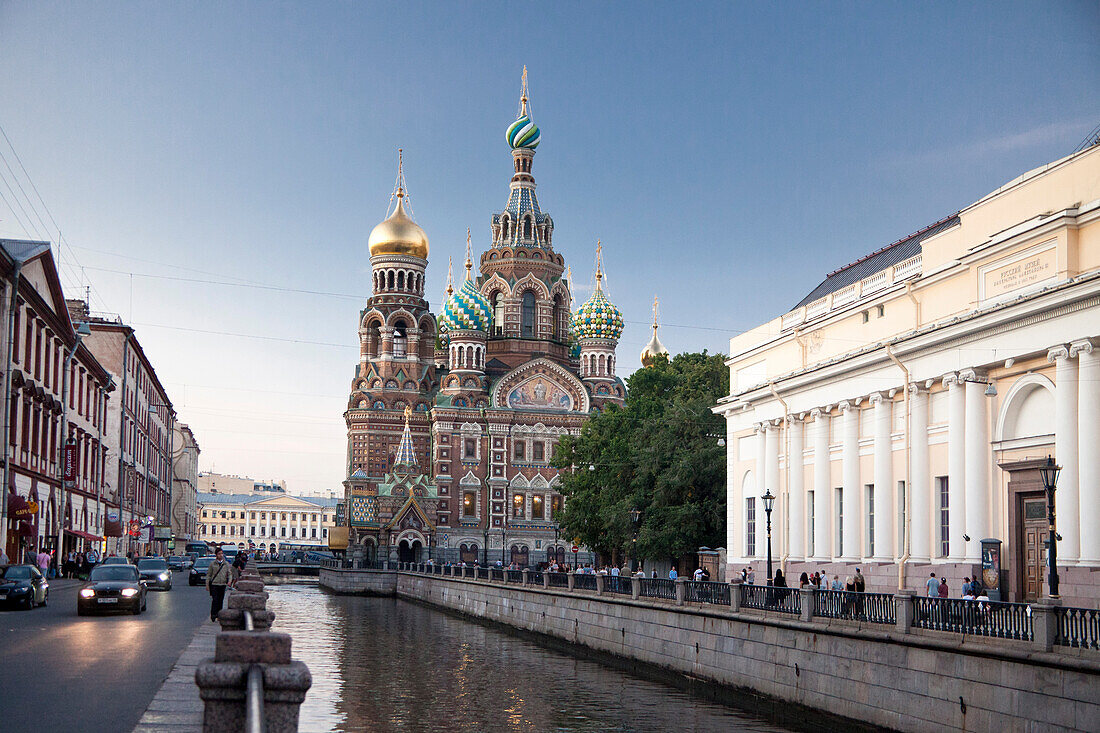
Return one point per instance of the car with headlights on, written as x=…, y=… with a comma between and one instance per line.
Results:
x=112, y=588
x=197, y=576
x=23, y=586
x=155, y=572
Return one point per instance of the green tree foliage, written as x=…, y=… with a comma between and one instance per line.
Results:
x=658, y=454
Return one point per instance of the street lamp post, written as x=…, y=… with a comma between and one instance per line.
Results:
x=1050, y=472
x=769, y=501
x=634, y=515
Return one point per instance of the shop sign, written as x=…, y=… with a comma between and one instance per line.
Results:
x=160, y=532
x=72, y=457
x=29, y=509
x=113, y=526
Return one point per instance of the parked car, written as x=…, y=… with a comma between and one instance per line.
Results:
x=23, y=586
x=155, y=572
x=179, y=562
x=115, y=560
x=197, y=576
x=110, y=588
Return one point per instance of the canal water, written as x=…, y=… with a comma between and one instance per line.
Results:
x=383, y=664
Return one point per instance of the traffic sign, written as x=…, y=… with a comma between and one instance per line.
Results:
x=576, y=549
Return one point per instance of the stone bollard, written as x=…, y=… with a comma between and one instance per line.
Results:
x=679, y=591
x=807, y=604
x=546, y=579
x=1044, y=622
x=571, y=581
x=735, y=595
x=223, y=680
x=635, y=587
x=601, y=583
x=524, y=582
x=903, y=610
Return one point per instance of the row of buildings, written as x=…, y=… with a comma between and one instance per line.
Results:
x=901, y=411
x=94, y=456
x=250, y=513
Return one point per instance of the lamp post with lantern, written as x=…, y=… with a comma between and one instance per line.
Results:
x=769, y=501
x=1050, y=472
x=634, y=516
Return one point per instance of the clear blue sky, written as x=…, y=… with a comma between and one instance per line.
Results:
x=727, y=154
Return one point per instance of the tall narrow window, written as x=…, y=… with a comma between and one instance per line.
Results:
x=519, y=450
x=538, y=451
x=528, y=316
x=400, y=342
x=469, y=449
x=518, y=510
x=839, y=503
x=750, y=526
x=810, y=524
x=469, y=504
x=536, y=507
x=870, y=489
x=498, y=313
x=945, y=526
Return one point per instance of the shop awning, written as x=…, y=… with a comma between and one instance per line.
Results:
x=84, y=535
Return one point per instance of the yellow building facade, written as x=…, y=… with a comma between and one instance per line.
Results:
x=901, y=410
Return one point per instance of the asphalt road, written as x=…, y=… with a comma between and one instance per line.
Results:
x=63, y=672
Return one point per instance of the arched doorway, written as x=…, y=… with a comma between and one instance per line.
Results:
x=409, y=551
x=469, y=553
x=519, y=555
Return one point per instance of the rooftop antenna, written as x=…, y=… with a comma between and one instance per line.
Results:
x=1093, y=138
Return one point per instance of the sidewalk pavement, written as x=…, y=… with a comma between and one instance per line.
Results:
x=177, y=707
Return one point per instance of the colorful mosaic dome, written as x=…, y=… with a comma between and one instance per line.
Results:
x=466, y=310
x=523, y=133
x=598, y=319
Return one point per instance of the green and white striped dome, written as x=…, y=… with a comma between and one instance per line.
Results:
x=523, y=133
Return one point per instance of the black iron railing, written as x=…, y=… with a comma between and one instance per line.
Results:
x=1078, y=628
x=617, y=584
x=496, y=574
x=534, y=577
x=875, y=608
x=584, y=581
x=483, y=573
x=702, y=591
x=977, y=618
x=767, y=598
x=515, y=576
x=659, y=588
x=559, y=580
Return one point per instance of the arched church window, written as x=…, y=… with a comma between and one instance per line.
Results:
x=504, y=228
x=527, y=228
x=528, y=317
x=401, y=280
x=389, y=280
x=498, y=312
x=559, y=317
x=400, y=340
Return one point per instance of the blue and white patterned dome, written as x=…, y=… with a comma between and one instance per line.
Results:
x=466, y=310
x=598, y=318
x=523, y=133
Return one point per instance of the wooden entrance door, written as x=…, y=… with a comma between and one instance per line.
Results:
x=1034, y=532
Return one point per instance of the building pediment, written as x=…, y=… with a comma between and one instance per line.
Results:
x=282, y=502
x=541, y=384
x=410, y=516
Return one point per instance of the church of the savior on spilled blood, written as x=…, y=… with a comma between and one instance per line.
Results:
x=453, y=417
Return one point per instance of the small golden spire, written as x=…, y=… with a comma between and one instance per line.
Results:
x=469, y=259
x=523, y=93
x=399, y=187
x=599, y=264
x=450, y=277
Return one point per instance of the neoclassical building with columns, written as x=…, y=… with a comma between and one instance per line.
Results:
x=900, y=411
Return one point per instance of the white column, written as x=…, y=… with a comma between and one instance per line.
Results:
x=850, y=492
x=771, y=479
x=1067, y=499
x=797, y=539
x=735, y=531
x=761, y=462
x=298, y=525
x=823, y=490
x=885, y=519
x=1088, y=441
x=956, y=466
x=979, y=499
x=920, y=484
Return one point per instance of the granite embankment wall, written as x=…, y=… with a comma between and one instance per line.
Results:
x=909, y=682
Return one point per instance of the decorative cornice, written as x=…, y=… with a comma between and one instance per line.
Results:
x=951, y=378
x=876, y=398
x=815, y=414
x=844, y=405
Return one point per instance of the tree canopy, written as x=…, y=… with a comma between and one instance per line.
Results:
x=658, y=454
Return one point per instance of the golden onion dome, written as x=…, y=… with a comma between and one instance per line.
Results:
x=398, y=234
x=653, y=350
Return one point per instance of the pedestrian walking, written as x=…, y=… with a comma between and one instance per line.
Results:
x=933, y=586
x=943, y=590
x=43, y=562
x=219, y=574
x=750, y=577
x=803, y=581
x=672, y=574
